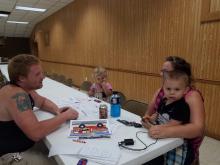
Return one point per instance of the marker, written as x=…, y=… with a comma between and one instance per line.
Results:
x=79, y=141
x=84, y=112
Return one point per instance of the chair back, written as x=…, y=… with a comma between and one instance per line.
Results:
x=54, y=76
x=61, y=78
x=122, y=97
x=85, y=86
x=136, y=107
x=69, y=82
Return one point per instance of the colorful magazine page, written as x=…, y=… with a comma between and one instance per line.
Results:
x=90, y=129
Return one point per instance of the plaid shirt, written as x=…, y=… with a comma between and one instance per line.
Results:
x=177, y=156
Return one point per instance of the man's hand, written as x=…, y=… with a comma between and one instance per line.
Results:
x=71, y=113
x=63, y=109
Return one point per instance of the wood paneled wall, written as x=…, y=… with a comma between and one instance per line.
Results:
x=131, y=38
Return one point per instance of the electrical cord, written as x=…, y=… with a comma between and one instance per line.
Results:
x=137, y=149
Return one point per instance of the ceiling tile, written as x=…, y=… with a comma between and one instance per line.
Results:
x=31, y=17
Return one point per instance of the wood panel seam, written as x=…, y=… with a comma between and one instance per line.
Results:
x=204, y=81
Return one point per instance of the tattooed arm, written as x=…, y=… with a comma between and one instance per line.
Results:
x=20, y=109
x=44, y=104
x=47, y=105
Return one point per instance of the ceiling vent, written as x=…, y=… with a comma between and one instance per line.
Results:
x=6, y=13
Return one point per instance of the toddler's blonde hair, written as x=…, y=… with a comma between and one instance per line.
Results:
x=99, y=71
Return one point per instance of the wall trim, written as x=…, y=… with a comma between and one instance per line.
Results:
x=204, y=81
x=206, y=15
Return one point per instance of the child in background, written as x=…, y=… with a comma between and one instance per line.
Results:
x=3, y=79
x=172, y=111
x=101, y=89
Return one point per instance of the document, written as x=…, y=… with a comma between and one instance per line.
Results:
x=65, y=149
x=103, y=154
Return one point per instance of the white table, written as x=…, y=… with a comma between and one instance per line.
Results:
x=54, y=90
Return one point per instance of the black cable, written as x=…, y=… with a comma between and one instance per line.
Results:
x=138, y=149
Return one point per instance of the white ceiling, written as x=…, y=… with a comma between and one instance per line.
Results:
x=22, y=30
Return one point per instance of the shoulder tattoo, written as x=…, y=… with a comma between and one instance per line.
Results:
x=23, y=101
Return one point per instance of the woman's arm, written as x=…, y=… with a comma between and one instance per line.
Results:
x=150, y=109
x=191, y=130
x=197, y=114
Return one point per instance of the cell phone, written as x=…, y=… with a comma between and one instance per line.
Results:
x=125, y=122
x=82, y=161
x=136, y=125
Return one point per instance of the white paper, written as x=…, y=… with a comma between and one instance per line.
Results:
x=65, y=149
x=101, y=154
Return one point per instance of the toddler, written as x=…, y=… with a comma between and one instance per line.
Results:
x=100, y=89
x=173, y=110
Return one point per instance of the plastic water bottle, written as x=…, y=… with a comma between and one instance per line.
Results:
x=115, y=105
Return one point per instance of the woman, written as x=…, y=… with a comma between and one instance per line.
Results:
x=193, y=130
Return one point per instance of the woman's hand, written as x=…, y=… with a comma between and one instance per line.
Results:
x=146, y=124
x=158, y=131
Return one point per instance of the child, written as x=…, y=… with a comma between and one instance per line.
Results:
x=101, y=89
x=3, y=79
x=173, y=110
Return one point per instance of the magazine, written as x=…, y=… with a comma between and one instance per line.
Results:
x=89, y=129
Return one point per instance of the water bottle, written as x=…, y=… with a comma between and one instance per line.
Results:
x=115, y=105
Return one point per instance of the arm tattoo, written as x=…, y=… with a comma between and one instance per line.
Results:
x=23, y=101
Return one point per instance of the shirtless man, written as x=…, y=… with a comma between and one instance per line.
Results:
x=19, y=127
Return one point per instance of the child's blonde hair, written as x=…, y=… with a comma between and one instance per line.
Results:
x=99, y=71
x=176, y=75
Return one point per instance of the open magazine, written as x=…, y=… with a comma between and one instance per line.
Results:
x=89, y=129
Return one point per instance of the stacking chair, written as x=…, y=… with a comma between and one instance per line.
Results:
x=136, y=107
x=61, y=78
x=85, y=86
x=46, y=74
x=54, y=76
x=69, y=82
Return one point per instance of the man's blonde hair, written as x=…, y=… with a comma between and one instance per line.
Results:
x=20, y=66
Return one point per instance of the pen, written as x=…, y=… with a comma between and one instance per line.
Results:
x=94, y=137
x=84, y=112
x=79, y=141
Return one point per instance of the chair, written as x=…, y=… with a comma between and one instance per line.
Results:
x=54, y=76
x=61, y=78
x=85, y=86
x=47, y=74
x=69, y=82
x=136, y=107
x=122, y=97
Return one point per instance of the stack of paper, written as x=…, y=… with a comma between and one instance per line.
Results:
x=108, y=154
x=103, y=155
